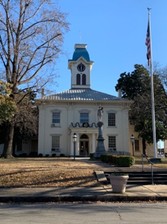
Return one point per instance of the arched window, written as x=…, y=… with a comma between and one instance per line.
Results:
x=78, y=79
x=83, y=79
x=84, y=136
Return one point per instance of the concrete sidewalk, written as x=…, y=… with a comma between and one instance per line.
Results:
x=86, y=194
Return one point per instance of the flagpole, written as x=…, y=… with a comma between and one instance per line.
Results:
x=150, y=62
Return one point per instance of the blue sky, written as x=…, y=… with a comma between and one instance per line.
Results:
x=115, y=33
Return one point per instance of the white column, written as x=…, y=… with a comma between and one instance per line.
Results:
x=77, y=145
x=93, y=143
x=71, y=145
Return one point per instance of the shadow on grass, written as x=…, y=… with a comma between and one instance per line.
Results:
x=52, y=182
x=46, y=176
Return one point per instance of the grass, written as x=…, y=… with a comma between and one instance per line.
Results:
x=138, y=160
x=58, y=172
x=46, y=172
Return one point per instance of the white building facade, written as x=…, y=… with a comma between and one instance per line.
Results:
x=75, y=111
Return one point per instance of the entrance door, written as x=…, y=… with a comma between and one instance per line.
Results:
x=84, y=145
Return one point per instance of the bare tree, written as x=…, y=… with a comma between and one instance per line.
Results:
x=31, y=36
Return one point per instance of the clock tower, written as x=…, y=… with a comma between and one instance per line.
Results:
x=80, y=66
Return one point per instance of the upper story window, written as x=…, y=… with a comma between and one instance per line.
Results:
x=84, y=117
x=81, y=67
x=55, y=117
x=83, y=79
x=78, y=79
x=111, y=119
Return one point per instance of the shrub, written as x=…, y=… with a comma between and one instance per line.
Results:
x=22, y=155
x=91, y=156
x=113, y=159
x=124, y=161
x=62, y=155
x=104, y=158
x=40, y=155
x=33, y=154
x=54, y=155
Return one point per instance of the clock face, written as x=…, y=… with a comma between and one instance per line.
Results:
x=81, y=67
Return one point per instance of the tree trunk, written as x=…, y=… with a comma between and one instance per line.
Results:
x=7, y=152
x=144, y=146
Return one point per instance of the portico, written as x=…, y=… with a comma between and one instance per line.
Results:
x=86, y=141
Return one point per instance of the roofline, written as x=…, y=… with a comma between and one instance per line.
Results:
x=71, y=62
x=84, y=46
x=79, y=101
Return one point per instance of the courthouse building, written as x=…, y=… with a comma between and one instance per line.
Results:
x=74, y=111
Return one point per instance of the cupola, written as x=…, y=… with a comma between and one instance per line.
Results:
x=80, y=66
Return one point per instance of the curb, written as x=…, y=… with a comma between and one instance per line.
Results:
x=97, y=198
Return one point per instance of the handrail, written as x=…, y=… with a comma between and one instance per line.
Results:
x=152, y=164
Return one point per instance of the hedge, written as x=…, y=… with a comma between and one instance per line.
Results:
x=118, y=160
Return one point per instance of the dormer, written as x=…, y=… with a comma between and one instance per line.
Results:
x=80, y=66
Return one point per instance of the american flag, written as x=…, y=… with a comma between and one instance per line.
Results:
x=148, y=44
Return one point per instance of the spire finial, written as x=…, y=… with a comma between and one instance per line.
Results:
x=149, y=9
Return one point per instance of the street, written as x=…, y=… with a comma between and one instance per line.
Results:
x=81, y=213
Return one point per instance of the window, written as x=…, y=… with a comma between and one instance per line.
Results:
x=78, y=79
x=55, y=143
x=55, y=117
x=84, y=118
x=111, y=119
x=112, y=142
x=81, y=67
x=83, y=79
